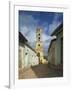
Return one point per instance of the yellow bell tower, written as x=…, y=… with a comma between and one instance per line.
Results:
x=39, y=45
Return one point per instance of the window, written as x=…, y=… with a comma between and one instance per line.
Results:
x=26, y=53
x=39, y=34
x=39, y=38
x=38, y=54
x=38, y=44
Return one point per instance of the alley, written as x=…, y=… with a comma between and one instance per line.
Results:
x=39, y=71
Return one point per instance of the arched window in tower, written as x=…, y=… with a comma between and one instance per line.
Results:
x=39, y=34
x=38, y=54
x=38, y=44
x=39, y=38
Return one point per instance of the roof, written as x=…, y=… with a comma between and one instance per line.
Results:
x=27, y=44
x=22, y=39
x=57, y=30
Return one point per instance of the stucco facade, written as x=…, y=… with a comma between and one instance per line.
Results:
x=55, y=51
x=51, y=54
x=27, y=56
x=59, y=48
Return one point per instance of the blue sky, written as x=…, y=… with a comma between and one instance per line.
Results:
x=48, y=21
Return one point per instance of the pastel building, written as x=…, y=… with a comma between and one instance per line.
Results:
x=27, y=55
x=55, y=51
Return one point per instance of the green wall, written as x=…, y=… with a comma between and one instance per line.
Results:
x=58, y=48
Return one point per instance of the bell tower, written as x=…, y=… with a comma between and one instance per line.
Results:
x=39, y=45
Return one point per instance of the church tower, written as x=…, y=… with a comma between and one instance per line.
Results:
x=39, y=45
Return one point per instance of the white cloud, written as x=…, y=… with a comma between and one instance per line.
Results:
x=27, y=20
x=45, y=37
x=31, y=36
x=45, y=48
x=53, y=26
x=24, y=30
x=28, y=29
x=55, y=23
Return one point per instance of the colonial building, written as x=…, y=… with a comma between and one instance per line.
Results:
x=55, y=50
x=27, y=55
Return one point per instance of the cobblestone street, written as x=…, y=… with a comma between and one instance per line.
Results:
x=39, y=71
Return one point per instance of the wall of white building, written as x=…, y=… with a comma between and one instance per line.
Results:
x=27, y=57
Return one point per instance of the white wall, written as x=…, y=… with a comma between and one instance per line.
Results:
x=31, y=58
x=21, y=56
